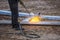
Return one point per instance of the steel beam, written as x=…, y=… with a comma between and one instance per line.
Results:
x=8, y=13
x=21, y=14
x=42, y=23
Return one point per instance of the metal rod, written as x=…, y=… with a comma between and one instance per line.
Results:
x=21, y=14
x=8, y=13
x=50, y=17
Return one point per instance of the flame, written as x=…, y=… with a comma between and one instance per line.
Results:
x=35, y=19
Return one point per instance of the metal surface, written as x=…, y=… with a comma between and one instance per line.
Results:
x=50, y=17
x=42, y=23
x=21, y=14
x=8, y=13
x=5, y=22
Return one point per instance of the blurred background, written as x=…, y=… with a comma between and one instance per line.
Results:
x=45, y=7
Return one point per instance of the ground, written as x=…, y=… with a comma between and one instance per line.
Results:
x=46, y=7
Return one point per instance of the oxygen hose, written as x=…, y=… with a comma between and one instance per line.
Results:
x=21, y=29
x=27, y=35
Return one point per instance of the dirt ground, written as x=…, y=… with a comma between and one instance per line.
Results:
x=46, y=7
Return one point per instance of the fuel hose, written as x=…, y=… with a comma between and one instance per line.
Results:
x=22, y=31
x=28, y=35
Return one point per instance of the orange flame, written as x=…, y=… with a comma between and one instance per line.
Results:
x=35, y=19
